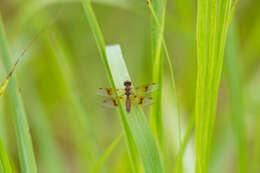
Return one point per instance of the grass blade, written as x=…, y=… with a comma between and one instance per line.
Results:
x=213, y=19
x=136, y=119
x=109, y=150
x=25, y=148
x=157, y=35
x=157, y=22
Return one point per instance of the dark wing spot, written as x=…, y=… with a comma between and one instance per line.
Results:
x=146, y=88
x=140, y=101
x=115, y=103
x=109, y=91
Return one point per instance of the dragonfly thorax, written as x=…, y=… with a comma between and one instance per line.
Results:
x=127, y=83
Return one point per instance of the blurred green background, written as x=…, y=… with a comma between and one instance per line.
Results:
x=59, y=75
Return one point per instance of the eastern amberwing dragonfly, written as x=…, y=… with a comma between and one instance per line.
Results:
x=129, y=95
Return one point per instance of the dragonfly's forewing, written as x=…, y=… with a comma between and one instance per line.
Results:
x=109, y=92
x=145, y=89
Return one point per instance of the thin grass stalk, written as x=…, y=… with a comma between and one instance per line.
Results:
x=172, y=74
x=156, y=39
x=199, y=105
x=25, y=148
x=108, y=151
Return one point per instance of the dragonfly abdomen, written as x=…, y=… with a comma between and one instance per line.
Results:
x=128, y=104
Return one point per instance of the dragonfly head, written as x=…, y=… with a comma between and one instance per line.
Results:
x=127, y=83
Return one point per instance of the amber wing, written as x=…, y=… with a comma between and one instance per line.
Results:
x=109, y=92
x=146, y=89
x=112, y=102
x=141, y=100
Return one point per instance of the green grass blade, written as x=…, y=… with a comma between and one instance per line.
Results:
x=5, y=166
x=236, y=99
x=25, y=148
x=136, y=118
x=156, y=39
x=109, y=150
x=212, y=26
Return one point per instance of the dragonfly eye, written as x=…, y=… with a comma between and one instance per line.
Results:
x=127, y=83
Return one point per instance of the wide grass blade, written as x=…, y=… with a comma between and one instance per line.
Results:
x=25, y=148
x=136, y=118
x=213, y=19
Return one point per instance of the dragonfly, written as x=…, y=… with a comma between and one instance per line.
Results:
x=129, y=95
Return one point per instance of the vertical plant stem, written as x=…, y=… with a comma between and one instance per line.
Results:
x=157, y=36
x=108, y=151
x=172, y=80
x=25, y=147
